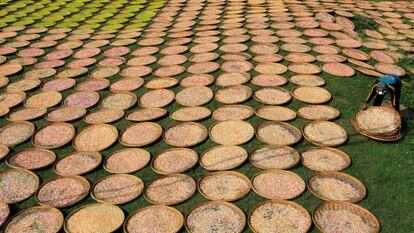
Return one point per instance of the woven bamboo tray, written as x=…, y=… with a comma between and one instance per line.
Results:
x=39, y=73
x=149, y=137
x=299, y=58
x=126, y=84
x=96, y=147
x=4, y=110
x=232, y=136
x=191, y=165
x=72, y=72
x=4, y=213
x=369, y=72
x=284, y=114
x=168, y=98
x=309, y=137
x=336, y=113
x=230, y=173
x=385, y=134
x=244, y=113
x=4, y=151
x=20, y=215
x=221, y=95
x=202, y=137
x=136, y=179
x=51, y=154
x=139, y=151
x=385, y=109
x=194, y=96
x=236, y=209
x=23, y=85
x=282, y=202
x=104, y=84
x=390, y=135
x=76, y=111
x=81, y=179
x=36, y=144
x=190, y=114
x=304, y=68
x=108, y=72
x=296, y=131
x=10, y=69
x=11, y=99
x=161, y=83
x=132, y=98
x=307, y=80
x=79, y=93
x=357, y=184
x=398, y=135
x=338, y=69
x=165, y=202
x=340, y=153
x=24, y=171
x=53, y=99
x=283, y=96
x=295, y=48
x=179, y=215
x=196, y=80
x=116, y=215
x=116, y=115
x=367, y=216
x=320, y=99
x=243, y=157
x=289, y=173
x=36, y=113
x=29, y=126
x=147, y=114
x=286, y=148
x=98, y=158
x=232, y=79
x=104, y=62
x=356, y=54
x=270, y=68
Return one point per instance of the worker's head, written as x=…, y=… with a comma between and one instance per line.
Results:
x=381, y=88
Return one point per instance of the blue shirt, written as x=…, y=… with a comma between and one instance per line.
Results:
x=389, y=79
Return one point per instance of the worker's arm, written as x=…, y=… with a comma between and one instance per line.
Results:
x=371, y=94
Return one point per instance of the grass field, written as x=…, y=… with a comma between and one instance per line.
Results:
x=386, y=169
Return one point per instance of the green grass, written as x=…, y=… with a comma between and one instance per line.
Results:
x=385, y=168
x=44, y=14
x=362, y=23
x=407, y=63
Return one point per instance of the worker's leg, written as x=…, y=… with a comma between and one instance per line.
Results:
x=378, y=100
x=397, y=96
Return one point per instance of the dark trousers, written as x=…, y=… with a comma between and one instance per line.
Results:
x=378, y=100
x=395, y=97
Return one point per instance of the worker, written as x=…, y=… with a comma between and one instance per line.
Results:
x=390, y=83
